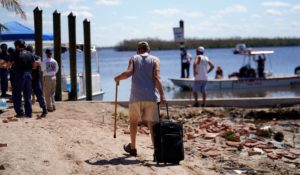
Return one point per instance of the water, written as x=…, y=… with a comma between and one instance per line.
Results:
x=284, y=61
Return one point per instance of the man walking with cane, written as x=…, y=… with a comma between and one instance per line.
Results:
x=146, y=91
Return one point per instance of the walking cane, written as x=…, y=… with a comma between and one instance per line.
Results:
x=116, y=104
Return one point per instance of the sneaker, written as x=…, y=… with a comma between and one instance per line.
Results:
x=196, y=104
x=127, y=148
x=19, y=115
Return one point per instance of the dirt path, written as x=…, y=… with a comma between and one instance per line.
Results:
x=78, y=139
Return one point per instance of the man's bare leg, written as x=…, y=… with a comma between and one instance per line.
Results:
x=133, y=132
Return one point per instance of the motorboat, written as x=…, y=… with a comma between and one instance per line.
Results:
x=246, y=78
x=239, y=48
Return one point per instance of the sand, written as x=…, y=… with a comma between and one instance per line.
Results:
x=78, y=139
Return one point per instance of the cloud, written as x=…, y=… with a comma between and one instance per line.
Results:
x=275, y=4
x=46, y=3
x=82, y=11
x=193, y=14
x=273, y=12
x=130, y=17
x=41, y=4
x=108, y=2
x=296, y=8
x=233, y=9
x=167, y=12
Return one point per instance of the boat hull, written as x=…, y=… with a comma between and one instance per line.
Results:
x=244, y=83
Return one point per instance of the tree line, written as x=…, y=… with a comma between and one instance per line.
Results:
x=158, y=44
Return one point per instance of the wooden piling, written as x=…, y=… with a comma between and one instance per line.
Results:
x=57, y=53
x=72, y=50
x=87, y=59
x=38, y=32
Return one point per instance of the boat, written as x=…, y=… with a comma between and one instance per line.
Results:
x=239, y=48
x=97, y=91
x=246, y=78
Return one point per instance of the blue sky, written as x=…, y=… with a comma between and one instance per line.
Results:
x=115, y=20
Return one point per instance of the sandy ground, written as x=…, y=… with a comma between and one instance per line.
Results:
x=78, y=139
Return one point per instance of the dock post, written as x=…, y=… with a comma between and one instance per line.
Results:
x=38, y=32
x=87, y=59
x=72, y=50
x=57, y=53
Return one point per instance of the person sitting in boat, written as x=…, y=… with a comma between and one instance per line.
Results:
x=219, y=73
x=260, y=65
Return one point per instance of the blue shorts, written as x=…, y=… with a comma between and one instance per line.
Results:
x=199, y=86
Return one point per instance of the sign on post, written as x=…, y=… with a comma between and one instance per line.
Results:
x=178, y=34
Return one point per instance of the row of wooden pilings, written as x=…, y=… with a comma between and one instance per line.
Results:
x=38, y=29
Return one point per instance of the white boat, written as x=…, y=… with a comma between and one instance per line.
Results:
x=239, y=48
x=244, y=82
x=81, y=78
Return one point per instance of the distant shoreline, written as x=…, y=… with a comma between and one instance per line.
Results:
x=157, y=44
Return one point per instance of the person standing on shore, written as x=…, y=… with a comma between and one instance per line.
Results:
x=22, y=61
x=36, y=81
x=49, y=68
x=3, y=70
x=186, y=59
x=200, y=73
x=146, y=91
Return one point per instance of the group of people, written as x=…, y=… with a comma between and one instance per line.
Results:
x=24, y=70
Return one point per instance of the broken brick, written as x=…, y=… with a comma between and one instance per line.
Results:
x=252, y=153
x=3, y=145
x=273, y=156
x=234, y=144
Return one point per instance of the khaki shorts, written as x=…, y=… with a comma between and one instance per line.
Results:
x=147, y=111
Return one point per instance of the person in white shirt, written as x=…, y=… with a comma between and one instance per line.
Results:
x=200, y=73
x=49, y=68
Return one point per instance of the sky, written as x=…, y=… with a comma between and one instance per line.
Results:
x=113, y=21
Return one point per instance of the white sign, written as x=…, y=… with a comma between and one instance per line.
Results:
x=178, y=34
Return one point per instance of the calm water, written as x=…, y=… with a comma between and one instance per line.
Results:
x=284, y=61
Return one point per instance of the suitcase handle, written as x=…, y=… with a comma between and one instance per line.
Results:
x=158, y=110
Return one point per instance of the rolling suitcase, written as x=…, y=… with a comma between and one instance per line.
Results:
x=168, y=141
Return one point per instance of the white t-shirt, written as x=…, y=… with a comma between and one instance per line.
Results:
x=49, y=67
x=202, y=68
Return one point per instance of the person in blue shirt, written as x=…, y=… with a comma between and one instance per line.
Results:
x=36, y=81
x=22, y=63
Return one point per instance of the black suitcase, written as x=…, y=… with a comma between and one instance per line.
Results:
x=168, y=141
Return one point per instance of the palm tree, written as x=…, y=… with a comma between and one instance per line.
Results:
x=12, y=5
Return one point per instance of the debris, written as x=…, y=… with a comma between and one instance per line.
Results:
x=265, y=132
x=3, y=145
x=5, y=121
x=278, y=136
x=231, y=136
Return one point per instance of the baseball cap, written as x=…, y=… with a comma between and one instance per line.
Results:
x=200, y=49
x=143, y=45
